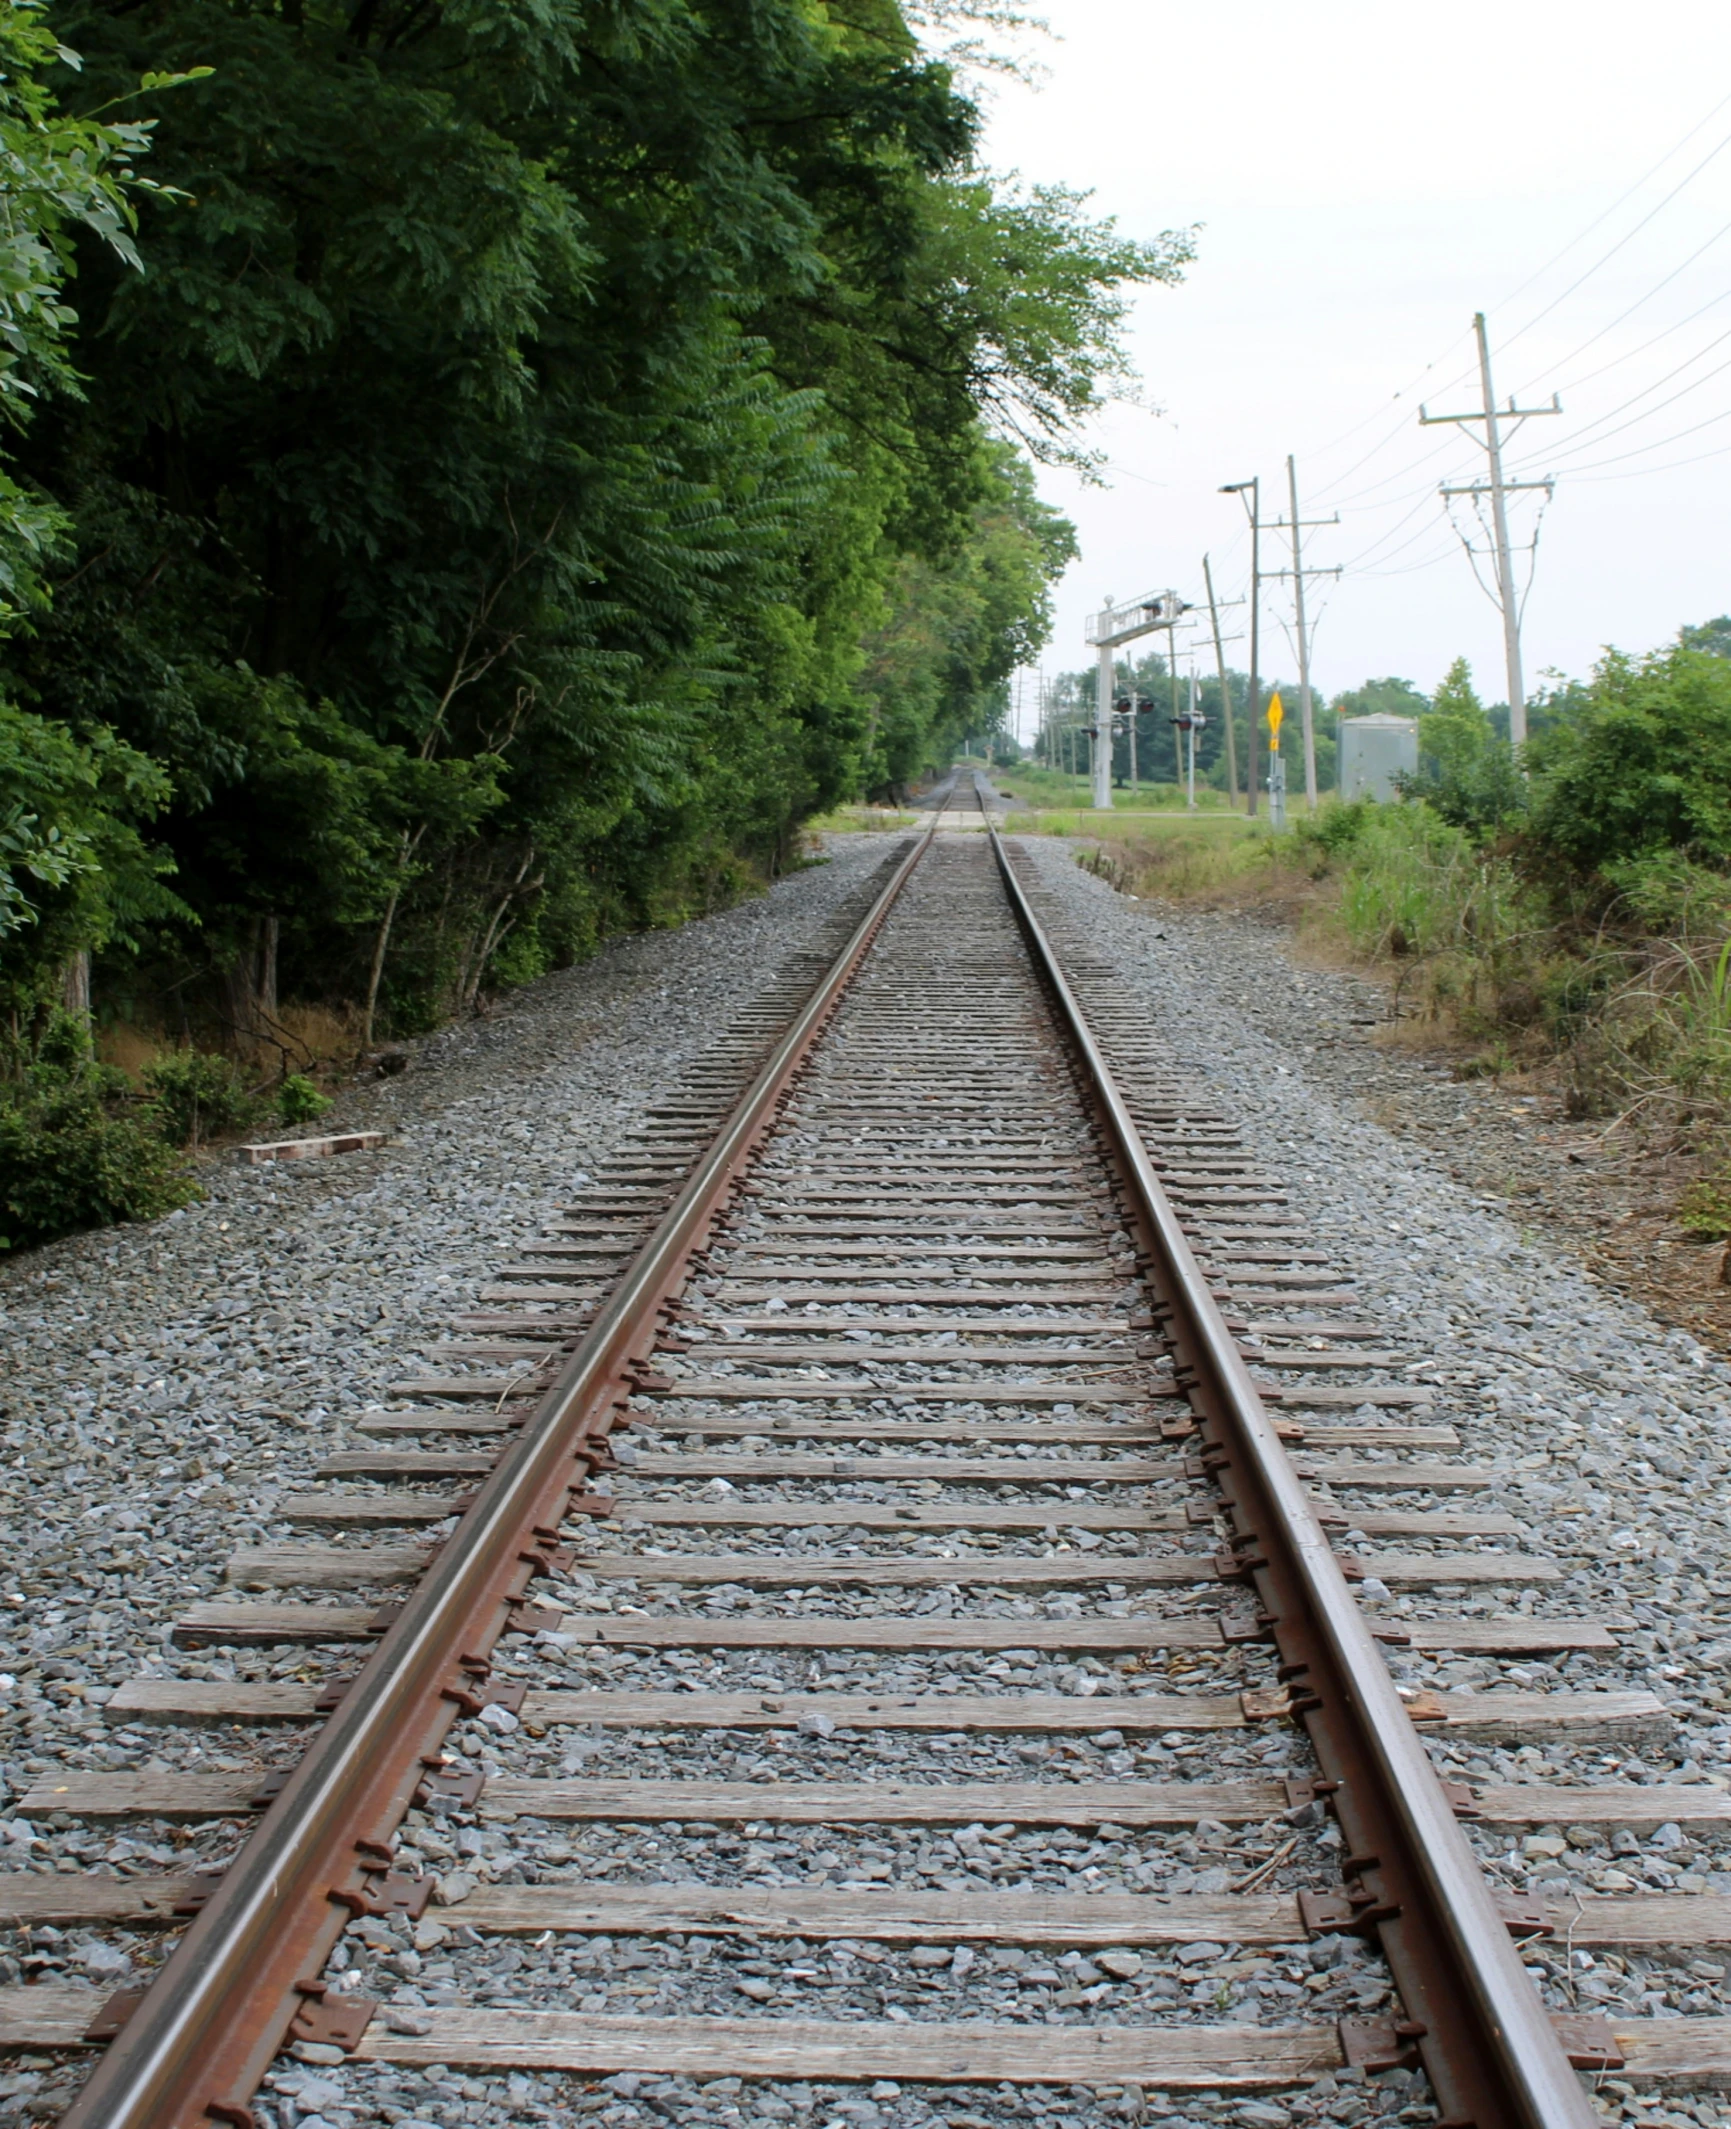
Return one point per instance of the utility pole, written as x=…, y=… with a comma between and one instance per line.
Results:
x=1225, y=688
x=1104, y=687
x=1298, y=573
x=1498, y=489
x=1253, y=705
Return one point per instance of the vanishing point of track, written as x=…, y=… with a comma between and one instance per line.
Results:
x=902, y=1318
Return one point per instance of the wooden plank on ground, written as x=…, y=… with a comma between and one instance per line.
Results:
x=888, y=1915
x=365, y=1566
x=195, y=1700
x=893, y=1915
x=69, y=1898
x=326, y=1566
x=156, y=1794
x=805, y=1428
x=1483, y=1717
x=53, y=2014
x=1172, y=2058
x=408, y=1463
x=773, y=1389
x=1519, y=1636
x=1676, y=2051
x=889, y=1803
x=1639, y=1806
x=364, y=1511
x=433, y=1420
x=994, y=1570
x=493, y=1389
x=728, y=1512
x=204, y=1624
x=947, y=1470
x=1644, y=1922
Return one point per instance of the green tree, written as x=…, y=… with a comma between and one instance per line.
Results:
x=1713, y=636
x=1381, y=698
x=1645, y=768
x=497, y=506
x=1467, y=772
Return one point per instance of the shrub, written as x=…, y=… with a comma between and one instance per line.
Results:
x=1645, y=768
x=196, y=1095
x=1467, y=772
x=298, y=1101
x=1705, y=1208
x=70, y=1157
x=1332, y=829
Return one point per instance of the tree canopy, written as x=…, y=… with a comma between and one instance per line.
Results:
x=552, y=448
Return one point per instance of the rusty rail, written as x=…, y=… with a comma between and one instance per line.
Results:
x=1494, y=2059
x=244, y=1978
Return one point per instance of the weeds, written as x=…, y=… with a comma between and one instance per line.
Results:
x=197, y=1096
x=298, y=1101
x=74, y=1150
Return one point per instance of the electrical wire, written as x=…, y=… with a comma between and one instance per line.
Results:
x=1573, y=384
x=1586, y=439
x=1627, y=237
x=1674, y=465
x=1712, y=421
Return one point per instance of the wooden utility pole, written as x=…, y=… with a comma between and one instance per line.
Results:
x=1298, y=573
x=1225, y=688
x=1253, y=705
x=1497, y=488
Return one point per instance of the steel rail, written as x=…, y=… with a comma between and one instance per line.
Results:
x=197, y=2044
x=1493, y=2057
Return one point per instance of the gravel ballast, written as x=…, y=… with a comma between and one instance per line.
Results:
x=168, y=1383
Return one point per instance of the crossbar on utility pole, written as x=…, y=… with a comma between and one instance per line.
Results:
x=1498, y=489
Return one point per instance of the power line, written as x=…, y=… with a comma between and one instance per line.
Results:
x=1665, y=331
x=1585, y=439
x=1628, y=235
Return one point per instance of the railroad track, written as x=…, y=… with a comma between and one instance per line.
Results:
x=889, y=1592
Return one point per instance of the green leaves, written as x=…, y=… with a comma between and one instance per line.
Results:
x=554, y=449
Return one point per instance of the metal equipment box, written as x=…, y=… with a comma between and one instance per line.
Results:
x=1373, y=752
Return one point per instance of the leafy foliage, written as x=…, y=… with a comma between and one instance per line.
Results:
x=298, y=1101
x=196, y=1095
x=1467, y=773
x=70, y=1154
x=1645, y=768
x=553, y=450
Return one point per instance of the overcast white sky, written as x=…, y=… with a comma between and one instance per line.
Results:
x=1368, y=176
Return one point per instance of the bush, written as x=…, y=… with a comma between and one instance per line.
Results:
x=298, y=1101
x=1645, y=768
x=70, y=1157
x=1332, y=829
x=1467, y=772
x=196, y=1095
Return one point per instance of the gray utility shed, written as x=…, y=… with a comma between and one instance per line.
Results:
x=1373, y=752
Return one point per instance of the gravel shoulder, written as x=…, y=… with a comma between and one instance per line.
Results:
x=169, y=1383
x=1612, y=1428
x=166, y=1383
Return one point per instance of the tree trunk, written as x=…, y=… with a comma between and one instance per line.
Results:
x=375, y=974
x=250, y=981
x=75, y=984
